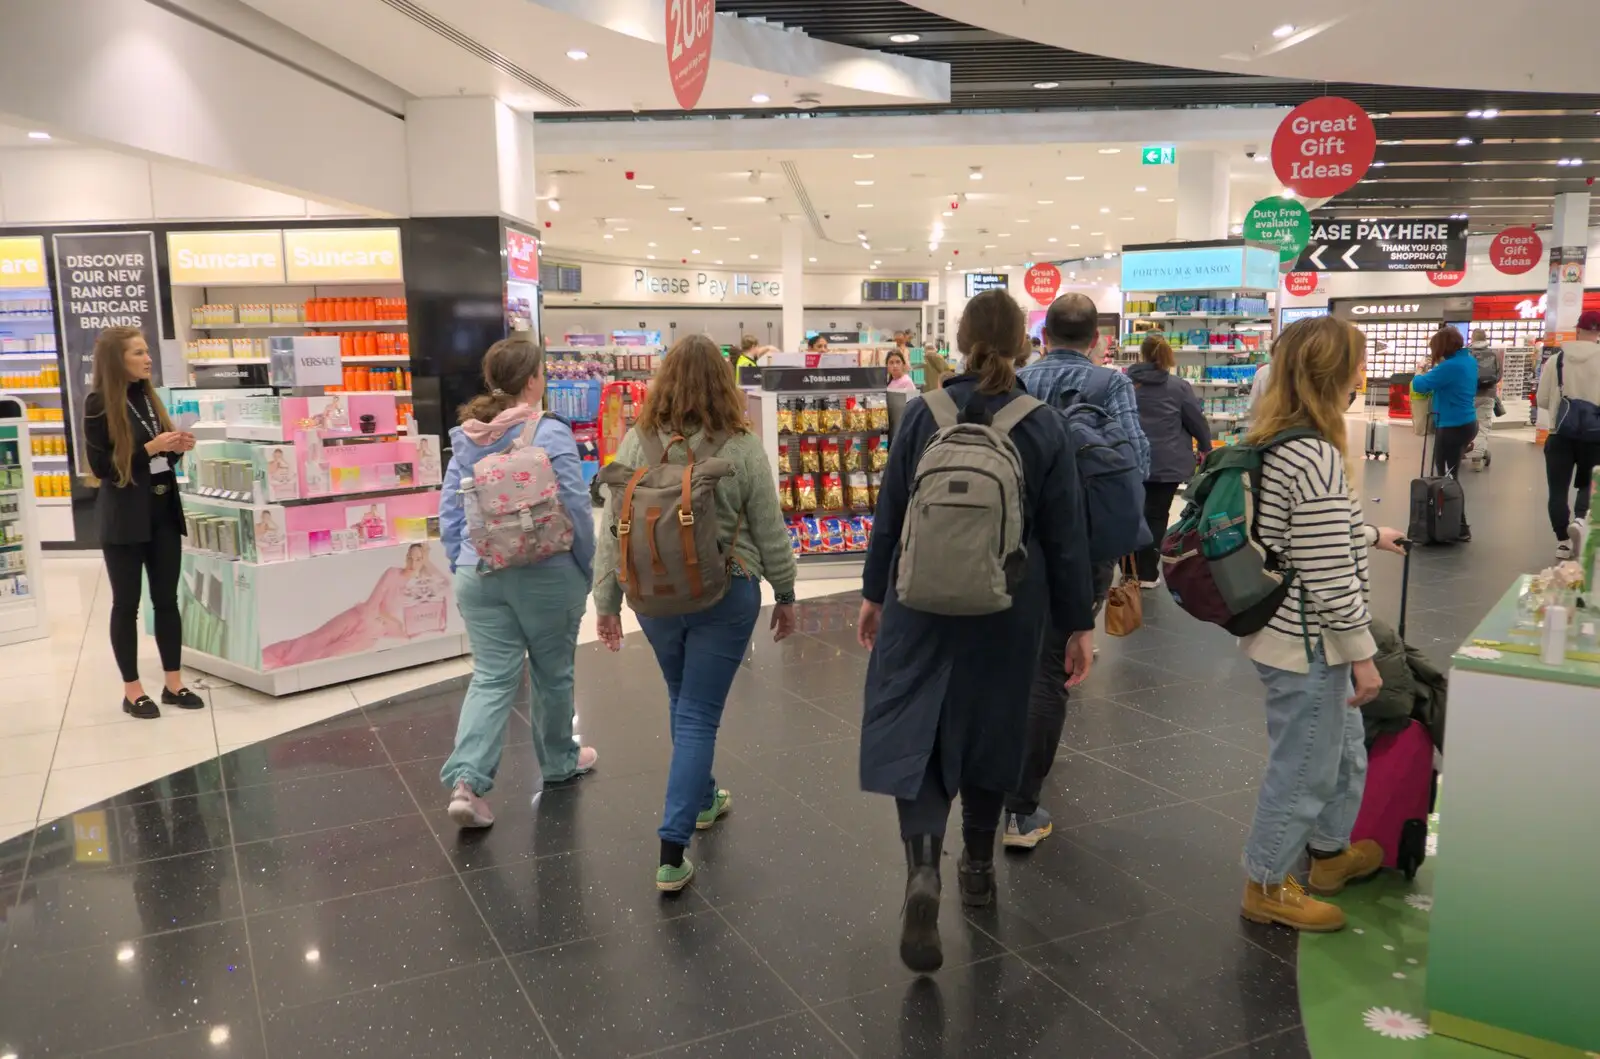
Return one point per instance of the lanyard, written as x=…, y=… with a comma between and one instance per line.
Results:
x=152, y=424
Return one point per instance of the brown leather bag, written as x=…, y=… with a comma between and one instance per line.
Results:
x=1124, y=604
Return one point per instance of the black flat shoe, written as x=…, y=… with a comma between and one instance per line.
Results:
x=144, y=708
x=183, y=698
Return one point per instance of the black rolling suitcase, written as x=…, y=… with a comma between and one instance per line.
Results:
x=1438, y=506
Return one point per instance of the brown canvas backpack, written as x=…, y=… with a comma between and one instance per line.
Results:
x=664, y=517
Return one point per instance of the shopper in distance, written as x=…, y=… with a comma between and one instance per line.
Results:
x=1569, y=398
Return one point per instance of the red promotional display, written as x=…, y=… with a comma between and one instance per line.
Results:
x=1516, y=250
x=689, y=26
x=522, y=256
x=1300, y=284
x=1042, y=282
x=1323, y=147
x=1448, y=278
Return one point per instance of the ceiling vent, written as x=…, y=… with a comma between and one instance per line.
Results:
x=807, y=101
x=426, y=18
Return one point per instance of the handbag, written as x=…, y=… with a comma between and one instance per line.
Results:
x=1124, y=604
x=1421, y=414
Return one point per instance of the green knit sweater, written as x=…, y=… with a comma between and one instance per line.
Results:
x=762, y=547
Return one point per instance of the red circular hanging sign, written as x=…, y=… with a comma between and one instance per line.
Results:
x=1323, y=147
x=1042, y=282
x=1447, y=278
x=1300, y=284
x=1516, y=250
x=689, y=26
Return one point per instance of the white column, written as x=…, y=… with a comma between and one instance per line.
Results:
x=793, y=336
x=471, y=156
x=1569, y=247
x=1202, y=195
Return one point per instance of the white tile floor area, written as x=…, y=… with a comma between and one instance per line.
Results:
x=65, y=742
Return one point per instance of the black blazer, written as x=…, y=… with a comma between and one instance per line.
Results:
x=123, y=512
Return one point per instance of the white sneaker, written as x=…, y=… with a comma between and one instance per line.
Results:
x=1564, y=550
x=1149, y=584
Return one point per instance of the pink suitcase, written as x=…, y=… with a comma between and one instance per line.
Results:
x=1399, y=797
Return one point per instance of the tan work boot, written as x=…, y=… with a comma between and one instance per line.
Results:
x=1362, y=860
x=1289, y=905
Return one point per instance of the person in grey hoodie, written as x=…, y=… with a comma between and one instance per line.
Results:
x=1569, y=456
x=1174, y=423
x=522, y=617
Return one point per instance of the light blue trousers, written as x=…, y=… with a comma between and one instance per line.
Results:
x=1316, y=769
x=527, y=616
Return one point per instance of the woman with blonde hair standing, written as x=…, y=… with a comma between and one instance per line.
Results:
x=1315, y=656
x=695, y=408
x=131, y=447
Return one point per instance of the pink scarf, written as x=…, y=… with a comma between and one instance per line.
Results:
x=482, y=434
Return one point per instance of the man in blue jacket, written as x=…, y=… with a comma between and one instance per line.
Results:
x=1071, y=330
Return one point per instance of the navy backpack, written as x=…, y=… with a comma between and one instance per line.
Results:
x=1576, y=419
x=1108, y=474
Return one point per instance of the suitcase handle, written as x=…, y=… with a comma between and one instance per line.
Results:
x=1432, y=427
x=1405, y=584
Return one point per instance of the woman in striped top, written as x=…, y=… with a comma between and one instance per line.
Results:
x=1319, y=643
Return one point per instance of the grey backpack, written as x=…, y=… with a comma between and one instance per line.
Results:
x=961, y=550
x=670, y=559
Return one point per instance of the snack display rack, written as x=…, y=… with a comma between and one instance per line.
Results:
x=22, y=606
x=30, y=369
x=313, y=554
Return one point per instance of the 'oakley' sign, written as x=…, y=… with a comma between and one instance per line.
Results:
x=1323, y=147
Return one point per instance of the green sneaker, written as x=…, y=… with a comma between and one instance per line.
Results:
x=670, y=880
x=719, y=807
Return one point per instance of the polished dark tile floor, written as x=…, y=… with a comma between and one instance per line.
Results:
x=307, y=897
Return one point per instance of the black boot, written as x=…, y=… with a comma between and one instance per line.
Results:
x=977, y=875
x=920, y=949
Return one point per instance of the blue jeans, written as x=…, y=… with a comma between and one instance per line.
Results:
x=1316, y=769
x=699, y=656
x=523, y=617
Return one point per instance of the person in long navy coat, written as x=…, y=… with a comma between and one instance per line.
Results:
x=946, y=702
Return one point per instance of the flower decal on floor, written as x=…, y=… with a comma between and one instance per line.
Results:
x=1421, y=902
x=1396, y=1025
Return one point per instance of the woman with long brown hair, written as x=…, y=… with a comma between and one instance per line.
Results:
x=694, y=405
x=134, y=452
x=1174, y=424
x=1315, y=656
x=946, y=708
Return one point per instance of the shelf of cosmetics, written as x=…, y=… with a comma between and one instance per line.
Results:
x=332, y=416
x=13, y=557
x=352, y=344
x=191, y=408
x=15, y=345
x=310, y=469
x=1216, y=305
x=47, y=377
x=1196, y=340
x=312, y=311
x=266, y=533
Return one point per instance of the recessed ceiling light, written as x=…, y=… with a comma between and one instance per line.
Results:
x=694, y=251
x=1283, y=31
x=577, y=55
x=733, y=238
x=719, y=227
x=863, y=205
x=1105, y=209
x=651, y=245
x=1047, y=202
x=1074, y=178
x=1141, y=187
x=1004, y=235
x=1110, y=150
x=1474, y=113
x=812, y=260
x=904, y=38
x=877, y=261
x=675, y=209
x=554, y=204
x=219, y=1035
x=622, y=229
x=1047, y=84
x=948, y=213
x=976, y=174
x=755, y=257
x=873, y=267
x=1465, y=141
x=1237, y=229
x=1052, y=239
x=1097, y=233
x=1074, y=244
x=645, y=187
x=1286, y=193
x=761, y=97
x=863, y=183
x=863, y=156
x=649, y=257
x=1074, y=227
x=608, y=235
x=1174, y=200
x=991, y=246
x=37, y=135
x=718, y=261
x=1022, y=220
x=1129, y=218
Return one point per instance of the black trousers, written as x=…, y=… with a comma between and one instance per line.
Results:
x=1448, y=445
x=929, y=812
x=1564, y=459
x=1047, y=706
x=1157, y=511
x=162, y=559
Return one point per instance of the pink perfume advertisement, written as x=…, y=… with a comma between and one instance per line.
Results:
x=354, y=602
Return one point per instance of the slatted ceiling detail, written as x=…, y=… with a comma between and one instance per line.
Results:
x=1513, y=153
x=1449, y=127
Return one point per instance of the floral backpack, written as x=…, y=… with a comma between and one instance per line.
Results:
x=513, y=506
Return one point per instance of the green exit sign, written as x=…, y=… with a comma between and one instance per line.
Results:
x=1159, y=155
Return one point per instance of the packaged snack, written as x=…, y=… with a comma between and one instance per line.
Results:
x=786, y=452
x=805, y=492
x=794, y=535
x=860, y=533
x=810, y=535
x=874, y=483
x=877, y=412
x=786, y=423
x=810, y=416
x=855, y=412
x=785, y=492
x=833, y=540
x=832, y=415
x=879, y=449
x=830, y=454
x=810, y=455
x=859, y=491
x=832, y=497
x=853, y=453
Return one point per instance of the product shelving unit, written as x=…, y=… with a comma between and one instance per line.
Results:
x=23, y=615
x=30, y=368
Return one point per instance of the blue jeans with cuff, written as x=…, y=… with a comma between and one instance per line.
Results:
x=1316, y=769
x=699, y=656
x=525, y=617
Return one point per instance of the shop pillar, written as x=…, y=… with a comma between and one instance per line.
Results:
x=793, y=336
x=1569, y=249
x=1202, y=195
x=470, y=162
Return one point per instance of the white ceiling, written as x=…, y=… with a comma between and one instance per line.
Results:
x=17, y=136
x=1533, y=45
x=1023, y=202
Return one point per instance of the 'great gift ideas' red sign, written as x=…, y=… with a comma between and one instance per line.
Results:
x=1516, y=250
x=1447, y=278
x=1042, y=282
x=1323, y=147
x=1300, y=284
x=689, y=25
